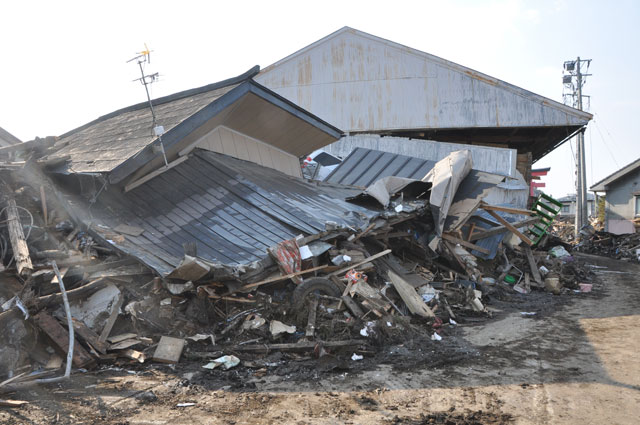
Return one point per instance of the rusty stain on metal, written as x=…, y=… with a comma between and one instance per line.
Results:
x=362, y=83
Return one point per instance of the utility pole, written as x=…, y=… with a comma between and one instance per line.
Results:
x=573, y=71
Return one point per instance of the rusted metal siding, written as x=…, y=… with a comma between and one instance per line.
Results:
x=489, y=159
x=359, y=82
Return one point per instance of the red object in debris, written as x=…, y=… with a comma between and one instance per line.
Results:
x=287, y=255
x=354, y=276
x=437, y=323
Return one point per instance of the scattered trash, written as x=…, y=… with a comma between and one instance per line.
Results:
x=227, y=362
x=185, y=404
x=436, y=337
x=585, y=287
x=356, y=357
x=276, y=328
x=559, y=252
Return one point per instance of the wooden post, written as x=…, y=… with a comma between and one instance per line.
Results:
x=18, y=241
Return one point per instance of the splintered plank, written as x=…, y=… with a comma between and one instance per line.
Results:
x=464, y=243
x=366, y=260
x=352, y=306
x=532, y=265
x=487, y=207
x=414, y=302
x=89, y=336
x=169, y=350
x=18, y=241
x=60, y=337
x=509, y=226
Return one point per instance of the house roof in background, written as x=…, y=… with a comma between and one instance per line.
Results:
x=601, y=186
x=367, y=84
x=233, y=209
x=572, y=198
x=8, y=139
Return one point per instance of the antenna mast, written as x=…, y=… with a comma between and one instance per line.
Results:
x=143, y=58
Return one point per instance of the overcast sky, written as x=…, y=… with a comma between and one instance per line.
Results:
x=64, y=63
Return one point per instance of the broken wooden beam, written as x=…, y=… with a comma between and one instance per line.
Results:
x=532, y=265
x=297, y=346
x=60, y=337
x=74, y=294
x=352, y=306
x=274, y=279
x=461, y=242
x=115, y=311
x=18, y=240
x=89, y=336
x=509, y=210
x=501, y=229
x=509, y=226
x=413, y=301
x=359, y=263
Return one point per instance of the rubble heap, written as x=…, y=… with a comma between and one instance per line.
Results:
x=429, y=259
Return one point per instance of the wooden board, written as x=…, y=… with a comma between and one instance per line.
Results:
x=507, y=210
x=366, y=260
x=509, y=226
x=501, y=229
x=414, y=302
x=465, y=243
x=89, y=336
x=115, y=311
x=169, y=350
x=532, y=265
x=18, y=241
x=60, y=337
x=275, y=279
x=352, y=306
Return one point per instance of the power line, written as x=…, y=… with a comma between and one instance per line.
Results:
x=604, y=142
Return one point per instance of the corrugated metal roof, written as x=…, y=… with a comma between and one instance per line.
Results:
x=366, y=84
x=8, y=139
x=364, y=166
x=232, y=209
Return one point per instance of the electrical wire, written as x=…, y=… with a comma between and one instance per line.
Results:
x=605, y=144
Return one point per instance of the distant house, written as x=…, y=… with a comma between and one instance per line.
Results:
x=569, y=205
x=622, y=198
x=7, y=139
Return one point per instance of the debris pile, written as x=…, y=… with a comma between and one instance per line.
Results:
x=433, y=256
x=622, y=247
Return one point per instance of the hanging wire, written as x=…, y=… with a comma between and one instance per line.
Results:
x=604, y=142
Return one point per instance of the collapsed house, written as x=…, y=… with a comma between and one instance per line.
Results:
x=138, y=241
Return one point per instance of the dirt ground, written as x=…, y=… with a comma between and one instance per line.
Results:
x=575, y=361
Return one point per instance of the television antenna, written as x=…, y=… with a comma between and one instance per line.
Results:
x=142, y=58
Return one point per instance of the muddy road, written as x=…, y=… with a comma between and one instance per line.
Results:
x=576, y=360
